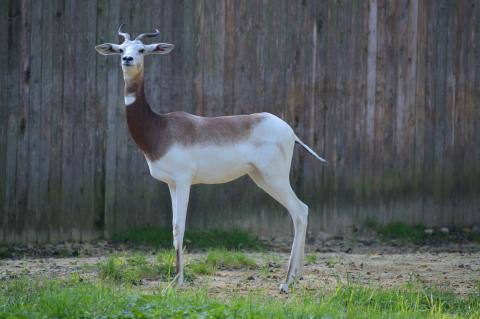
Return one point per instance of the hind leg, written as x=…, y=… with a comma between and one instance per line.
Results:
x=278, y=186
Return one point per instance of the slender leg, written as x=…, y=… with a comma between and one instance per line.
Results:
x=279, y=188
x=180, y=193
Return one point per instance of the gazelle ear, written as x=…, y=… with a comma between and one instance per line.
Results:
x=158, y=48
x=108, y=49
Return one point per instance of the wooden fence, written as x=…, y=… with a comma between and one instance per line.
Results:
x=387, y=91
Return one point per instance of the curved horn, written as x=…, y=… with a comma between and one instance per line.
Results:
x=123, y=34
x=148, y=35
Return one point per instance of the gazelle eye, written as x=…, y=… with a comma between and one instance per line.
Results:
x=120, y=50
x=141, y=50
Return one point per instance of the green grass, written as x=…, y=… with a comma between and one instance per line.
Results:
x=23, y=298
x=224, y=259
x=132, y=269
x=193, y=240
x=311, y=259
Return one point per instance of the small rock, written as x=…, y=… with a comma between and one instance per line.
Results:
x=428, y=231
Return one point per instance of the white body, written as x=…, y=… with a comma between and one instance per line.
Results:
x=271, y=141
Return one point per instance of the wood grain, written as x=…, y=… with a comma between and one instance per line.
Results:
x=386, y=90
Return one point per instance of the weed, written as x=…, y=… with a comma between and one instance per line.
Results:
x=224, y=259
x=132, y=269
x=311, y=259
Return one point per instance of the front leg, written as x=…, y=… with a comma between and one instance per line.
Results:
x=180, y=193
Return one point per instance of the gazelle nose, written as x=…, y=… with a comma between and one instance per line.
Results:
x=127, y=58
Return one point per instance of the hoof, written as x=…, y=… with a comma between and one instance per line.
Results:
x=284, y=288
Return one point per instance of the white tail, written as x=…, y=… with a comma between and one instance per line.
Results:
x=310, y=150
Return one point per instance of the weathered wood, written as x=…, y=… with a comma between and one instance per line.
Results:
x=385, y=90
x=21, y=185
x=4, y=34
x=430, y=100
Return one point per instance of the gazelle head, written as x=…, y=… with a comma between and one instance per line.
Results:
x=133, y=51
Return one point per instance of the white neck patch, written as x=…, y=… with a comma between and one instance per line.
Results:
x=129, y=99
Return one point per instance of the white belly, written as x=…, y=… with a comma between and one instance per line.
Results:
x=204, y=164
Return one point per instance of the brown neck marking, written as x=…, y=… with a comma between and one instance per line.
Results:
x=145, y=126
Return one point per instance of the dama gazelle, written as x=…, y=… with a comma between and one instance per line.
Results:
x=182, y=149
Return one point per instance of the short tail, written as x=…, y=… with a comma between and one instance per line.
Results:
x=297, y=140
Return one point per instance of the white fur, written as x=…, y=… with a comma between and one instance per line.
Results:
x=129, y=99
x=265, y=156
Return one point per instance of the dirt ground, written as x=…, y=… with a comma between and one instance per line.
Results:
x=452, y=266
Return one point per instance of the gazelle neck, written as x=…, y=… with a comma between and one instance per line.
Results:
x=143, y=123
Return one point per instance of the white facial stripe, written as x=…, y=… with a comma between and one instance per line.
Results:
x=129, y=99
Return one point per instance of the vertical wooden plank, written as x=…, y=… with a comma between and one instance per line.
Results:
x=369, y=168
x=471, y=208
x=430, y=100
x=380, y=108
x=410, y=203
x=476, y=116
x=361, y=140
x=342, y=118
x=4, y=55
x=399, y=186
x=388, y=138
x=44, y=215
x=439, y=115
x=459, y=152
x=318, y=196
x=34, y=110
x=420, y=109
x=90, y=107
x=23, y=132
x=67, y=133
x=78, y=124
x=13, y=121
x=449, y=192
x=330, y=114
x=55, y=187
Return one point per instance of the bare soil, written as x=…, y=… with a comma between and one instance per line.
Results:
x=455, y=267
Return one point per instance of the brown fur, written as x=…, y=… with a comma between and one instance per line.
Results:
x=155, y=133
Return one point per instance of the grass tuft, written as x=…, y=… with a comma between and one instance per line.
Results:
x=224, y=259
x=133, y=269
x=311, y=259
x=193, y=240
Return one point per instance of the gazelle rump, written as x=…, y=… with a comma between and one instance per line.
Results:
x=182, y=149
